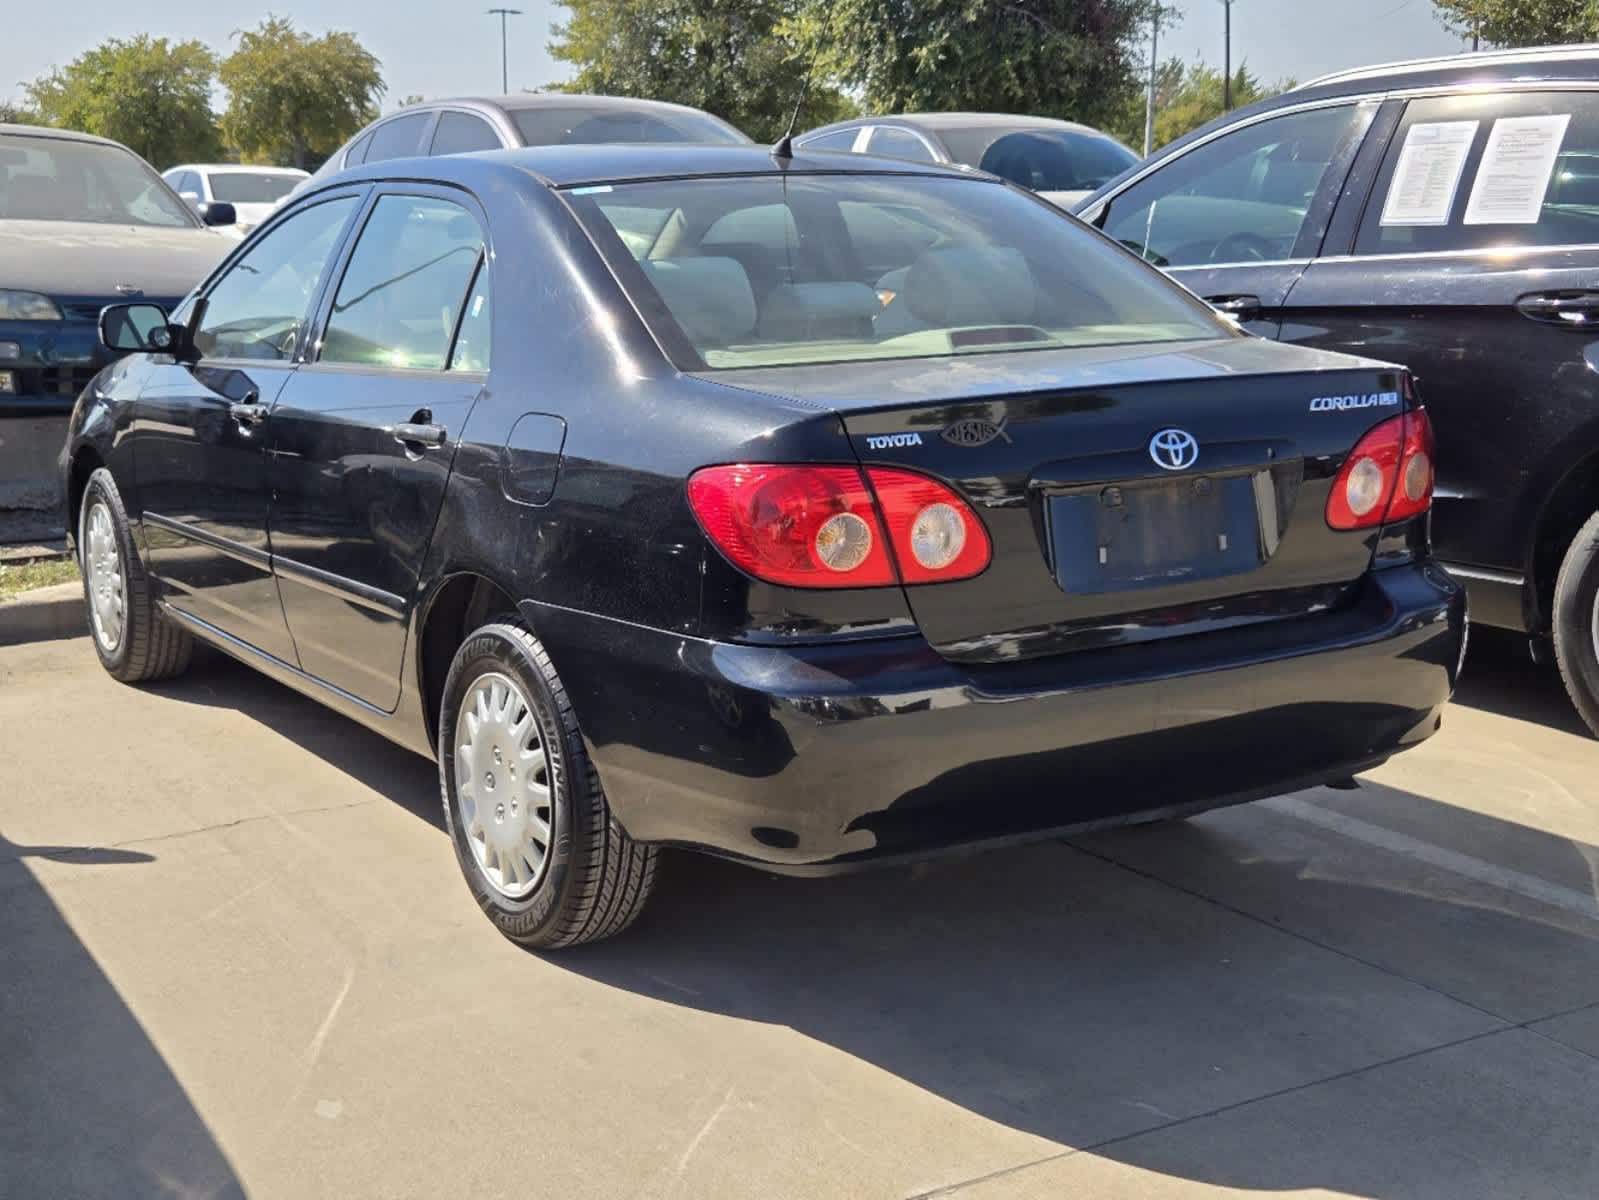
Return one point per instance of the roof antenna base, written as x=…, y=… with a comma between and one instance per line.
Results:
x=785, y=144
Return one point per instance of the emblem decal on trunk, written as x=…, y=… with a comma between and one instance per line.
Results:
x=974, y=431
x=892, y=441
x=1174, y=449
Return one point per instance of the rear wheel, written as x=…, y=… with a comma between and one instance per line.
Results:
x=1576, y=622
x=532, y=832
x=135, y=640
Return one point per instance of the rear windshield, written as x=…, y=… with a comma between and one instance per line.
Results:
x=239, y=187
x=57, y=179
x=566, y=125
x=774, y=270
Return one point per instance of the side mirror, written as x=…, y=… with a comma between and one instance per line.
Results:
x=217, y=212
x=134, y=327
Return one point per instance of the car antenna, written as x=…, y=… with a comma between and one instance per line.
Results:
x=785, y=144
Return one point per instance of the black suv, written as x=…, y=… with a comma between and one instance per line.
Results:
x=1443, y=214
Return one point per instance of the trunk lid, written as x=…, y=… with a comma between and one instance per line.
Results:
x=1095, y=542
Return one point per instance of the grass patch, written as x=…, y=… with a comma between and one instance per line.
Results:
x=24, y=577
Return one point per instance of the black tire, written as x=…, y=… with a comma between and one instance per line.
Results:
x=150, y=645
x=1576, y=622
x=595, y=879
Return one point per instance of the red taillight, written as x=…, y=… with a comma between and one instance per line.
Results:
x=820, y=527
x=1387, y=477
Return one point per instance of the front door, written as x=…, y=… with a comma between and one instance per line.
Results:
x=1236, y=218
x=200, y=454
x=363, y=437
x=1476, y=264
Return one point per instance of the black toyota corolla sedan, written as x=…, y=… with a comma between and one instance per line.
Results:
x=1443, y=214
x=808, y=511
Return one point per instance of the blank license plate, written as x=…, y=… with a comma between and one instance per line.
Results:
x=1147, y=534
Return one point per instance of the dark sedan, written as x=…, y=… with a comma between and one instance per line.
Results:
x=84, y=222
x=803, y=512
x=1444, y=214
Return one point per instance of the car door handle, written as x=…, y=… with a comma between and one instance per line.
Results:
x=419, y=437
x=1560, y=308
x=248, y=414
x=1241, y=308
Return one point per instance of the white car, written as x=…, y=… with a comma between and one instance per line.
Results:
x=253, y=191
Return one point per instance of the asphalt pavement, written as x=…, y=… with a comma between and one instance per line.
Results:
x=236, y=958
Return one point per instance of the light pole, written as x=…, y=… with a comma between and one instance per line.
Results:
x=1149, y=101
x=1227, y=56
x=505, y=74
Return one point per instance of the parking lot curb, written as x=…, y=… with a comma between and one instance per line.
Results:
x=43, y=615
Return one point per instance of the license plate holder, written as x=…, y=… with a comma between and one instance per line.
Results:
x=1161, y=532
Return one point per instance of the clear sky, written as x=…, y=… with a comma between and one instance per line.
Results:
x=445, y=47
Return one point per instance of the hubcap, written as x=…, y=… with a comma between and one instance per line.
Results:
x=102, y=570
x=502, y=785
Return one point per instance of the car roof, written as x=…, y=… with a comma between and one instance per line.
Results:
x=936, y=121
x=575, y=166
x=64, y=135
x=235, y=168
x=517, y=101
x=1487, y=66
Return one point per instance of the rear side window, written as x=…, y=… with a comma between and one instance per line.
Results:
x=1481, y=171
x=899, y=143
x=399, y=138
x=401, y=297
x=1247, y=196
x=356, y=154
x=461, y=133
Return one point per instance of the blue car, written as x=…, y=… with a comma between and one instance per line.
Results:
x=813, y=511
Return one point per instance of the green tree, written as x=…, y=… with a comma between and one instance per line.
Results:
x=12, y=113
x=1522, y=22
x=734, y=58
x=293, y=98
x=1062, y=58
x=1186, y=97
x=148, y=93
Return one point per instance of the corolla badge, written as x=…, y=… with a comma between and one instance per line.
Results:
x=974, y=431
x=1174, y=449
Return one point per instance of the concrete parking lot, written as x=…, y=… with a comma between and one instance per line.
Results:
x=236, y=957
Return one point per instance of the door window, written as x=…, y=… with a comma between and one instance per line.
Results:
x=471, y=351
x=399, y=138
x=899, y=143
x=258, y=307
x=401, y=296
x=1258, y=194
x=843, y=139
x=460, y=133
x=1480, y=171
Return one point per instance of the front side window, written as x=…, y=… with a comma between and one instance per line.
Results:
x=1246, y=196
x=401, y=295
x=899, y=143
x=258, y=307
x=249, y=187
x=60, y=179
x=399, y=138
x=772, y=270
x=1481, y=171
x=461, y=133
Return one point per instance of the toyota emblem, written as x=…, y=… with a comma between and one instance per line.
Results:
x=1174, y=449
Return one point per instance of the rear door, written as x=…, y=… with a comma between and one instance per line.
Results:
x=1236, y=217
x=1475, y=262
x=364, y=435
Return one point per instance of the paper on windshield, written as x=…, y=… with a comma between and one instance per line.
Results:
x=1516, y=165
x=1428, y=173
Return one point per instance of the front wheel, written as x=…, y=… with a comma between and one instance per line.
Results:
x=532, y=831
x=1576, y=622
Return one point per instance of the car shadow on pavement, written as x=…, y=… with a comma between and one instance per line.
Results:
x=1500, y=677
x=88, y=1105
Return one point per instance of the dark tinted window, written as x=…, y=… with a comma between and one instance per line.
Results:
x=400, y=299
x=1051, y=161
x=899, y=143
x=1245, y=196
x=565, y=125
x=249, y=187
x=842, y=139
x=356, y=155
x=460, y=133
x=399, y=138
x=1478, y=171
x=258, y=306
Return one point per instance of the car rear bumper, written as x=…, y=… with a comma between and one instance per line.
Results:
x=818, y=758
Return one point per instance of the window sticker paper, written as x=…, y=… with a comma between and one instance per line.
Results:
x=1422, y=190
x=1516, y=166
